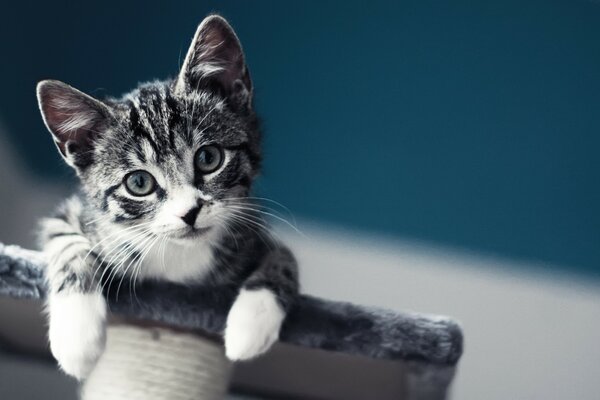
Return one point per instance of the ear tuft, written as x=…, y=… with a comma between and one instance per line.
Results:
x=73, y=118
x=216, y=60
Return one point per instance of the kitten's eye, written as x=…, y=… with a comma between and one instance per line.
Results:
x=140, y=183
x=208, y=159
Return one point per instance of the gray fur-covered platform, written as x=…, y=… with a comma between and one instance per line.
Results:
x=424, y=341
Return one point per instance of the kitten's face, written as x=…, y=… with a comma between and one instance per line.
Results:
x=172, y=157
x=172, y=161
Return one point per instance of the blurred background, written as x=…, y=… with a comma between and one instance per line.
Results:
x=440, y=157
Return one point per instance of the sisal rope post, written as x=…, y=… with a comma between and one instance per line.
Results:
x=156, y=363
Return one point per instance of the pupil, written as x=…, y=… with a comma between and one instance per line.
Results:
x=206, y=157
x=139, y=181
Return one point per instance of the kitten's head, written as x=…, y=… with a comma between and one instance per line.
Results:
x=168, y=155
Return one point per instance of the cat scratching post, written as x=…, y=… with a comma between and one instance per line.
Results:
x=154, y=363
x=161, y=359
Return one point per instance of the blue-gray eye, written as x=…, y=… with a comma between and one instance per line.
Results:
x=208, y=159
x=140, y=183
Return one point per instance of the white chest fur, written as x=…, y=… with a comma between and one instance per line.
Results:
x=141, y=256
x=180, y=263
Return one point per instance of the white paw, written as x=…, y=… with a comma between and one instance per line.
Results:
x=77, y=331
x=252, y=324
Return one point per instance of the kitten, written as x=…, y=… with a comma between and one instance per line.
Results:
x=165, y=173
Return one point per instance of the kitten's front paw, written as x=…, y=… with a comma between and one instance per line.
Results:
x=252, y=324
x=77, y=331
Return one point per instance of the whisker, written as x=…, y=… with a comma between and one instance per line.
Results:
x=102, y=259
x=249, y=224
x=118, y=232
x=129, y=249
x=162, y=250
x=142, y=242
x=237, y=207
x=139, y=268
x=228, y=230
x=267, y=200
x=125, y=272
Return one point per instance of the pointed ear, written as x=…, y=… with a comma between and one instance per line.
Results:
x=215, y=60
x=74, y=119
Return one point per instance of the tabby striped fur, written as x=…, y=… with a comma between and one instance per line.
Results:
x=104, y=239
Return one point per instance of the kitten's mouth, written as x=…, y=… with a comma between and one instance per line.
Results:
x=191, y=233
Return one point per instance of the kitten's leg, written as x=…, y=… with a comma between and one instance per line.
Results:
x=256, y=316
x=77, y=310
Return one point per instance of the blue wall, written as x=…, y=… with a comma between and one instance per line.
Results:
x=470, y=124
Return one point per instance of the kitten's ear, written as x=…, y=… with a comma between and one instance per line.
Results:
x=215, y=60
x=74, y=119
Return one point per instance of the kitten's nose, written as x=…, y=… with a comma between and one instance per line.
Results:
x=190, y=217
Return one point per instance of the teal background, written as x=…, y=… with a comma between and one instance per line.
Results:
x=467, y=124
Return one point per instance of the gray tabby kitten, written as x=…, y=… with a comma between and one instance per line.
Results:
x=165, y=174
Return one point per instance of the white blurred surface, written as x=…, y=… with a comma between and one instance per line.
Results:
x=528, y=335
